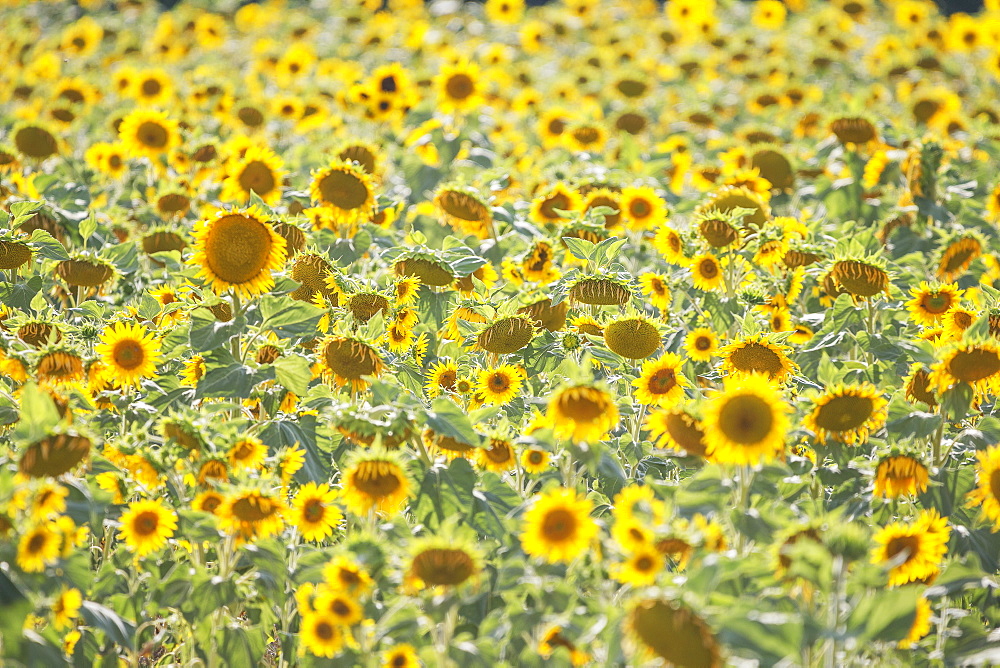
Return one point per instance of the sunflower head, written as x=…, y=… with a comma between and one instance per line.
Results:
x=506, y=334
x=601, y=289
x=757, y=354
x=672, y=631
x=734, y=200
x=862, y=277
x=346, y=190
x=238, y=250
x=848, y=413
x=854, y=131
x=633, y=337
x=464, y=209
x=375, y=479
x=747, y=422
x=443, y=561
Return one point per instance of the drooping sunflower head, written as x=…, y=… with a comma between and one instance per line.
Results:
x=958, y=255
x=848, y=413
x=346, y=190
x=375, y=479
x=442, y=561
x=918, y=386
x=728, y=199
x=465, y=210
x=347, y=361
x=35, y=141
x=634, y=337
x=672, y=631
x=422, y=264
x=313, y=272
x=747, y=422
x=85, y=270
x=860, y=277
x=854, y=131
x=54, y=455
x=365, y=303
x=238, y=250
x=757, y=355
x=506, y=335
x=774, y=166
x=59, y=365
x=601, y=290
x=717, y=229
x=543, y=314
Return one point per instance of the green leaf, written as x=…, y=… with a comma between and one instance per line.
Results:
x=47, y=245
x=580, y=248
x=957, y=401
x=207, y=333
x=87, y=227
x=884, y=616
x=22, y=211
x=293, y=373
x=38, y=414
x=447, y=419
x=119, y=630
x=19, y=295
x=289, y=318
x=225, y=377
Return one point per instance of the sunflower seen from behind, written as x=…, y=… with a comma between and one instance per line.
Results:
x=558, y=526
x=129, y=353
x=747, y=422
x=238, y=250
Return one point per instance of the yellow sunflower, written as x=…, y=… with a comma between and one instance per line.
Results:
x=346, y=190
x=677, y=429
x=641, y=567
x=320, y=634
x=986, y=496
x=900, y=475
x=149, y=133
x=459, y=87
x=441, y=377
x=375, y=480
x=497, y=457
x=500, y=385
x=929, y=303
x=66, y=608
x=252, y=514
x=259, y=171
x=848, y=413
x=642, y=208
x=922, y=544
x=706, y=272
x=661, y=382
x=673, y=632
x=656, y=288
x=238, y=250
x=38, y=547
x=313, y=511
x=921, y=625
x=403, y=656
x=701, y=344
x=558, y=527
x=147, y=525
x=535, y=460
x=559, y=197
x=582, y=413
x=977, y=364
x=757, y=354
x=129, y=353
x=747, y=422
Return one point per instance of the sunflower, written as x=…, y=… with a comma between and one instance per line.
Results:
x=642, y=208
x=677, y=429
x=661, y=382
x=498, y=456
x=59, y=367
x=854, y=131
x=535, y=460
x=633, y=337
x=605, y=197
x=320, y=634
x=344, y=573
x=701, y=344
x=66, y=608
x=343, y=607
x=986, y=496
x=669, y=244
x=641, y=567
x=560, y=197
x=757, y=355
x=673, y=632
x=929, y=303
x=459, y=87
x=465, y=210
x=405, y=656
x=238, y=250
x=38, y=547
x=54, y=455
x=252, y=514
x=498, y=386
x=554, y=638
x=582, y=413
x=146, y=526
x=558, y=527
x=129, y=353
x=149, y=133
x=600, y=291
x=506, y=335
x=977, y=364
x=348, y=361
x=706, y=272
x=860, y=278
x=259, y=171
x=746, y=422
x=442, y=562
x=958, y=255
x=921, y=625
x=35, y=141
x=346, y=190
x=957, y=320
x=375, y=480
x=441, y=377
x=247, y=453
x=313, y=511
x=729, y=198
x=656, y=288
x=900, y=475
x=922, y=544
x=847, y=413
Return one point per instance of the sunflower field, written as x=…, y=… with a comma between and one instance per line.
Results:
x=453, y=334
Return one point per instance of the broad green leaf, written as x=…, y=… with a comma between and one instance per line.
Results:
x=447, y=419
x=289, y=318
x=47, y=245
x=293, y=372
